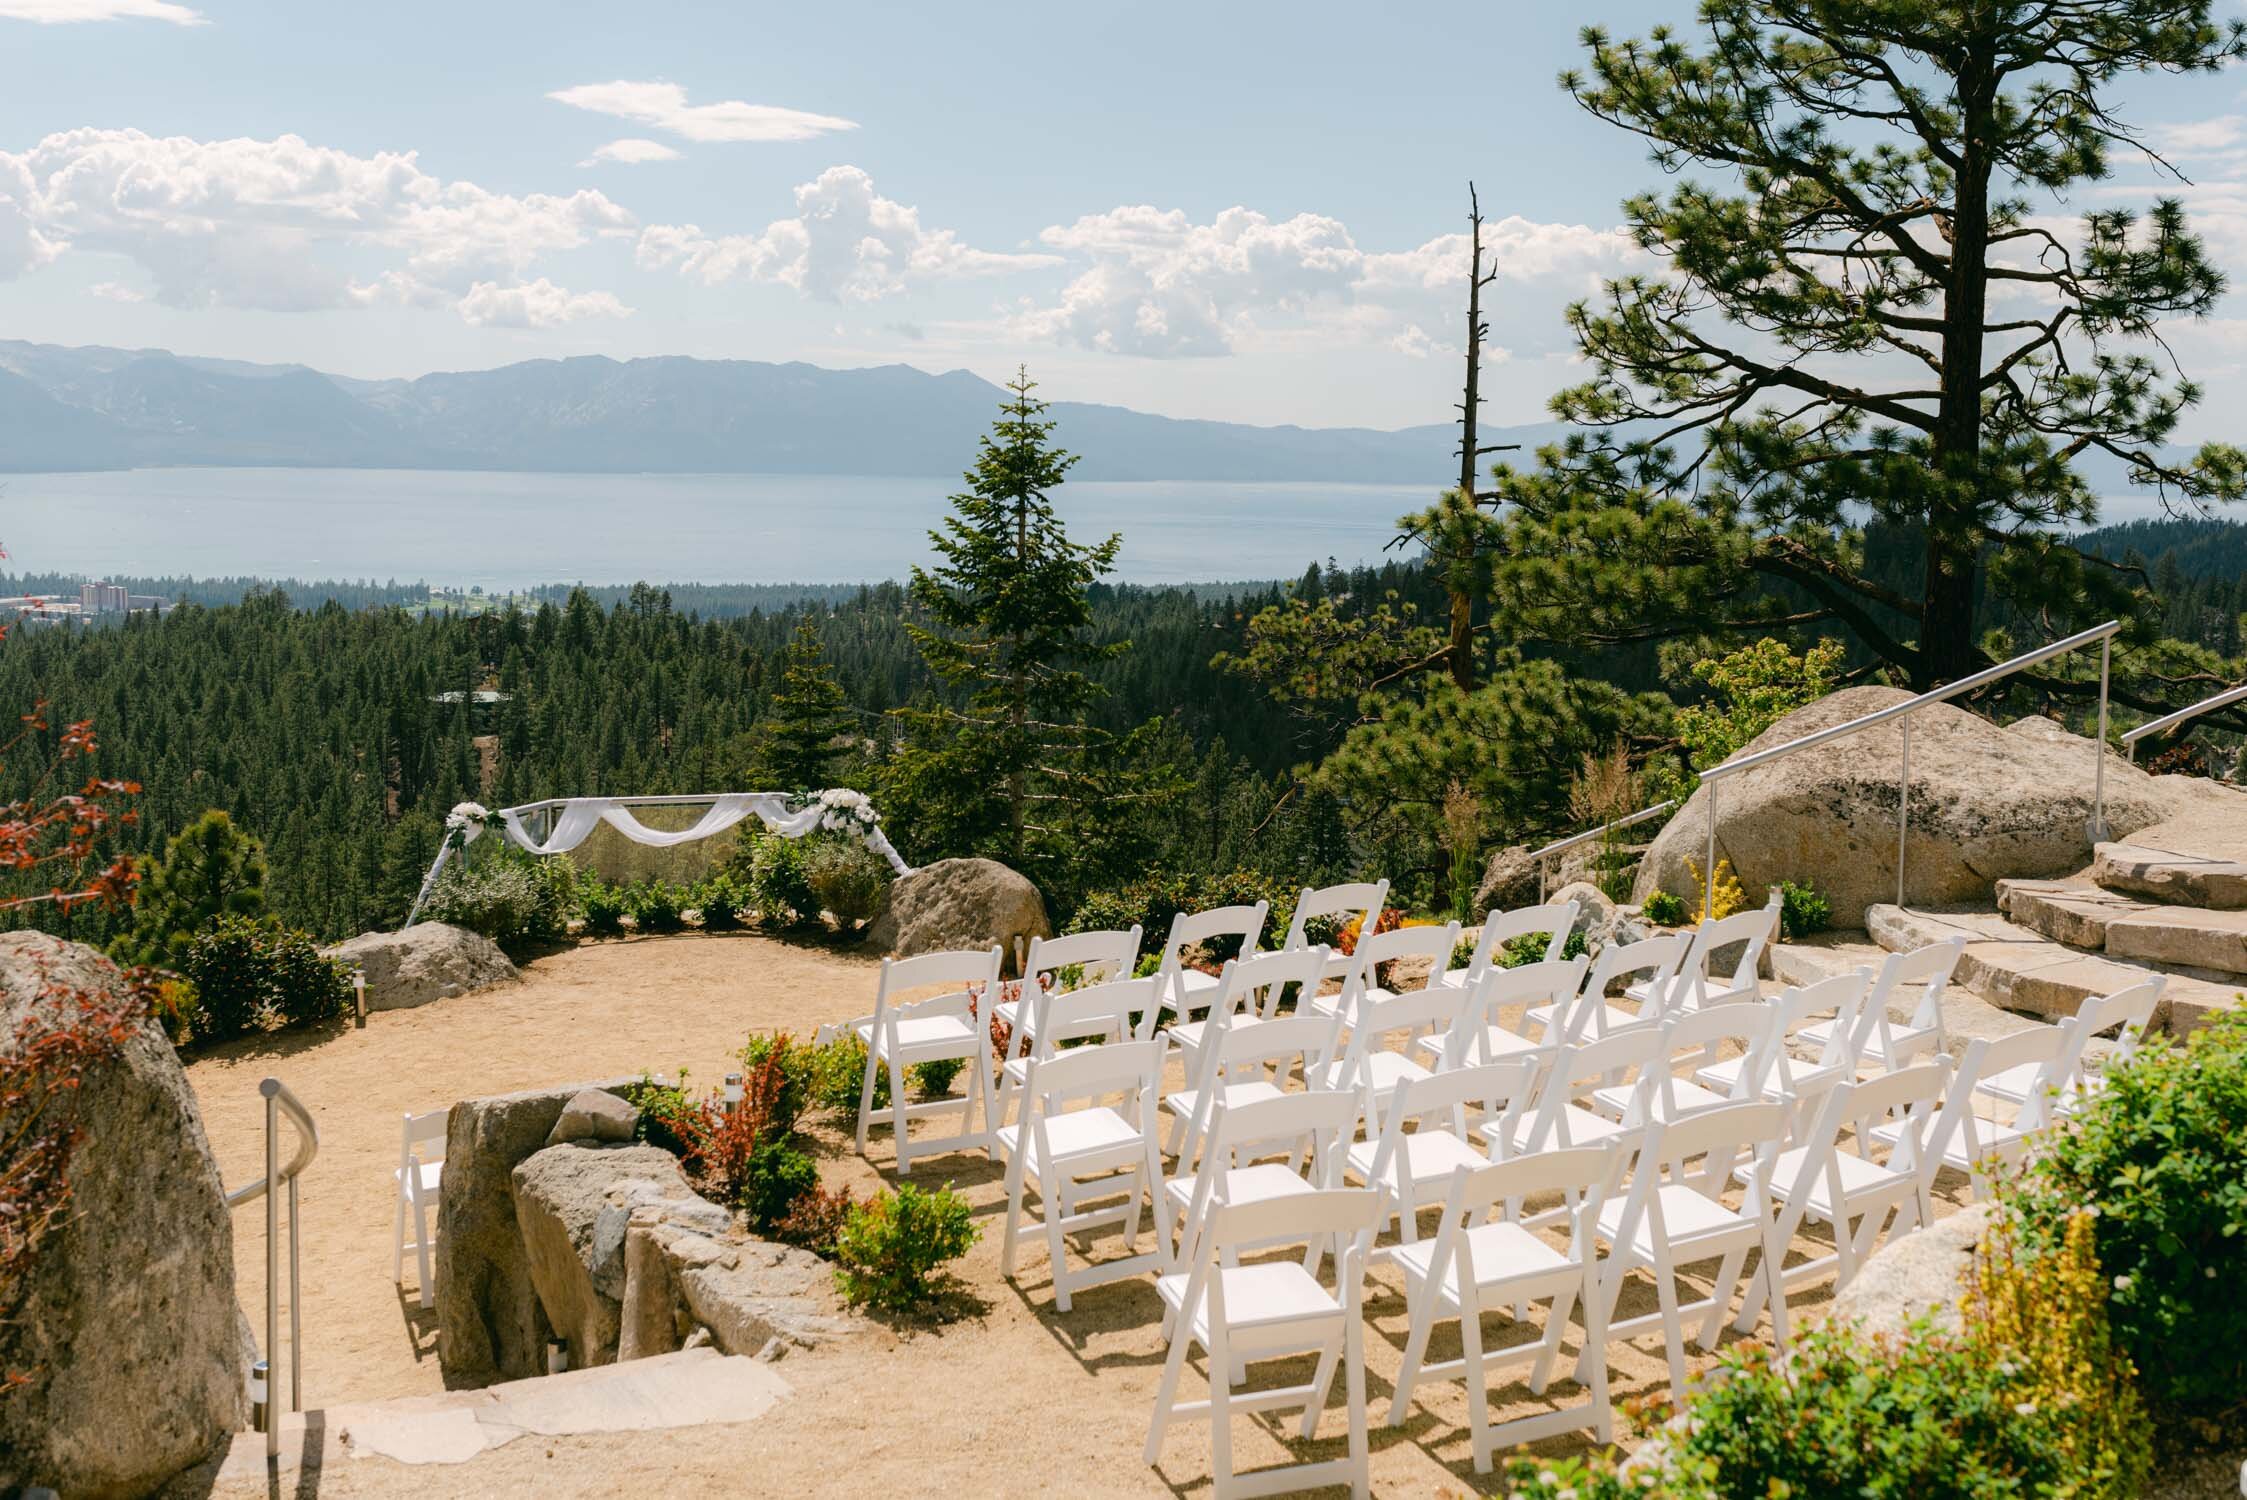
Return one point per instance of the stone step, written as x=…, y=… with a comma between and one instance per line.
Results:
x=1966, y=1015
x=2065, y=910
x=2020, y=969
x=2187, y=940
x=2171, y=876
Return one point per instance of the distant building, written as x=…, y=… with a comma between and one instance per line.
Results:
x=103, y=599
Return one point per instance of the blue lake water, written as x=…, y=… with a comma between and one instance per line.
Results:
x=509, y=530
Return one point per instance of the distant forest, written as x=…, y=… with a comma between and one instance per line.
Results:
x=326, y=718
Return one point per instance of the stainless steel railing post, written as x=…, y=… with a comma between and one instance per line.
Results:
x=1903, y=808
x=2098, y=828
x=1708, y=874
x=272, y=1263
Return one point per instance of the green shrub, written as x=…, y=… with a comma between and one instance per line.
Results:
x=779, y=1076
x=2161, y=1152
x=779, y=1173
x=669, y=1114
x=778, y=887
x=1153, y=901
x=1530, y=948
x=177, y=1009
x=604, y=906
x=657, y=906
x=1802, y=910
x=514, y=902
x=253, y=976
x=1664, y=909
x=845, y=878
x=720, y=902
x=838, y=1073
x=933, y=1079
x=892, y=1245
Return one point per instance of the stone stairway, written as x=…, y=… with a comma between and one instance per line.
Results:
x=2051, y=944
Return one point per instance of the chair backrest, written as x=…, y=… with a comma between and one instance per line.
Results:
x=420, y=1130
x=1257, y=983
x=1492, y=1089
x=1906, y=1099
x=1102, y=955
x=1379, y=1017
x=1555, y=918
x=1430, y=942
x=1928, y=967
x=1771, y=1067
x=1656, y=957
x=1363, y=898
x=961, y=967
x=1341, y=1215
x=1754, y=929
x=1553, y=982
x=1960, y=1125
x=1133, y=1069
x=1691, y=1038
x=1720, y=1139
x=1189, y=928
x=1272, y=1051
x=2130, y=1009
x=1575, y=1068
x=1482, y=1194
x=1115, y=1010
x=1312, y=1130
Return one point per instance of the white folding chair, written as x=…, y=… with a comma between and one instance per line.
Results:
x=1309, y=1130
x=1555, y=919
x=1851, y=1175
x=2126, y=1012
x=1554, y=1118
x=1881, y=1041
x=1693, y=985
x=1274, y=1309
x=1480, y=1035
x=1587, y=1016
x=1691, y=1038
x=1672, y=1218
x=1100, y=956
x=419, y=1177
x=1239, y=1063
x=1249, y=990
x=1483, y=1258
x=1376, y=953
x=1187, y=989
x=1970, y=1134
x=1426, y=1135
x=1057, y=1147
x=1367, y=1063
x=1362, y=899
x=1770, y=1070
x=1113, y=1010
x=900, y=1035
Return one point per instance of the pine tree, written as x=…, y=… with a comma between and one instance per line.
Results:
x=795, y=744
x=210, y=869
x=1858, y=311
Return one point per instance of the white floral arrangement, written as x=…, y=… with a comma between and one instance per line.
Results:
x=846, y=811
x=465, y=822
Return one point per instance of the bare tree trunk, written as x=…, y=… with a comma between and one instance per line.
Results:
x=1946, y=626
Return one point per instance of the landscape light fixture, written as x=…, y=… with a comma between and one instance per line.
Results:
x=733, y=1090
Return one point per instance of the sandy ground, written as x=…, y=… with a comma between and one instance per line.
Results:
x=1011, y=1399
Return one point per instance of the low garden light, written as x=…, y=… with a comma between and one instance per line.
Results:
x=733, y=1091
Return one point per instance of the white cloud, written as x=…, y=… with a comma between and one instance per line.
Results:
x=281, y=224
x=538, y=304
x=62, y=12
x=1161, y=285
x=630, y=151
x=117, y=291
x=846, y=243
x=664, y=106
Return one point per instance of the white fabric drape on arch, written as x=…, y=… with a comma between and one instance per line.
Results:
x=579, y=816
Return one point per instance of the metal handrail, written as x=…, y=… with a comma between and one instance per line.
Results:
x=1538, y=857
x=2096, y=829
x=2130, y=737
x=277, y=1099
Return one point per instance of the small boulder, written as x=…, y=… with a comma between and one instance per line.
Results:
x=574, y=1205
x=125, y=1320
x=959, y=903
x=1924, y=1272
x=428, y=961
x=594, y=1115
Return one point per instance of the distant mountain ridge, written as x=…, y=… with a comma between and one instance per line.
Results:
x=103, y=408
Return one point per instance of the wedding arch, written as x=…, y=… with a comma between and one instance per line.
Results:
x=562, y=823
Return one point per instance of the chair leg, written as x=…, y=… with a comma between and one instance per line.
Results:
x=1673, y=1332
x=1720, y=1297
x=866, y=1096
x=1353, y=1385
x=398, y=1235
x=1014, y=1175
x=421, y=1250
x=1053, y=1207
x=1166, y=1394
x=897, y=1120
x=1322, y=1381
x=1556, y=1324
x=1595, y=1356
x=1478, y=1381
x=1220, y=1411
x=1415, y=1353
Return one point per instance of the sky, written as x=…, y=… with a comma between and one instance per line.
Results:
x=1246, y=211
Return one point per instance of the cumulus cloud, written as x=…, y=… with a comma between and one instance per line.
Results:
x=630, y=151
x=117, y=291
x=64, y=12
x=1159, y=284
x=664, y=106
x=846, y=243
x=280, y=224
x=537, y=304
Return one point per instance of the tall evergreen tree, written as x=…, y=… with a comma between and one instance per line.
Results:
x=795, y=743
x=209, y=869
x=1861, y=313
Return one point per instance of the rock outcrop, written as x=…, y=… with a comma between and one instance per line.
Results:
x=136, y=1352
x=573, y=1204
x=1510, y=879
x=752, y=1296
x=594, y=1115
x=490, y=1325
x=1920, y=1273
x=1986, y=804
x=959, y=903
x=428, y=961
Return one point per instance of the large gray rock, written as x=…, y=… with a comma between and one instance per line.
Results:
x=489, y=1323
x=959, y=903
x=125, y=1321
x=1920, y=1273
x=1986, y=804
x=594, y=1115
x=428, y=961
x=1510, y=879
x=573, y=1204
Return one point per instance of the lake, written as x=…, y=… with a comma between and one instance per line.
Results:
x=510, y=530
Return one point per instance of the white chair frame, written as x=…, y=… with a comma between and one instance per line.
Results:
x=1693, y=986
x=1101, y=955
x=419, y=1181
x=946, y=1026
x=1366, y=898
x=1182, y=985
x=1557, y=918
x=1588, y=1016
x=1412, y=1168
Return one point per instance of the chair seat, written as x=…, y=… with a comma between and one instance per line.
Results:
x=1331, y=1005
x=1911, y=1039
x=917, y=1034
x=1607, y=1020
x=1386, y=1069
x=1188, y=1034
x=1860, y=1179
x=1192, y=983
x=1578, y=1124
x=1991, y=1138
x=1503, y=1254
x=1186, y=1102
x=1430, y=1156
x=2015, y=1085
x=1257, y=1296
x=1257, y=1183
x=1687, y=1095
x=427, y=1175
x=1689, y=992
x=1091, y=1132
x=1723, y=1077
x=1691, y=1220
x=1496, y=1044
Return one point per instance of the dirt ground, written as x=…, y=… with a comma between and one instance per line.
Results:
x=1011, y=1399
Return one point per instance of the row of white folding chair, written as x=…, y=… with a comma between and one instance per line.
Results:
x=2126, y=1012
x=1250, y=988
x=1694, y=983
x=1096, y=956
x=900, y=1035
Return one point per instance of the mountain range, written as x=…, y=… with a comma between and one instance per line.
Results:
x=102, y=408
